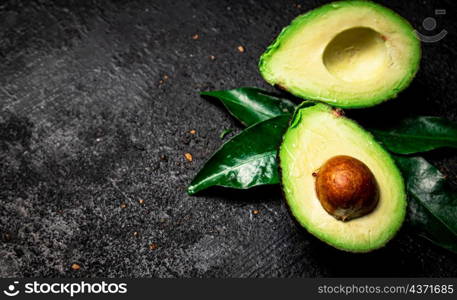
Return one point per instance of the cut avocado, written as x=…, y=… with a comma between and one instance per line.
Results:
x=339, y=183
x=350, y=54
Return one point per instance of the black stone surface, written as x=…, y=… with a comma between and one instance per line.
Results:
x=97, y=99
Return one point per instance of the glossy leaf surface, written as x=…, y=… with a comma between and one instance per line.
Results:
x=418, y=134
x=252, y=105
x=246, y=160
x=432, y=205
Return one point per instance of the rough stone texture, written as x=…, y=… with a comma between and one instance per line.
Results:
x=97, y=99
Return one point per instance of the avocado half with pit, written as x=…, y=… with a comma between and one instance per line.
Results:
x=339, y=183
x=350, y=54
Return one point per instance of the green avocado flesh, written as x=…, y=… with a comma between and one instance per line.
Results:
x=316, y=134
x=350, y=54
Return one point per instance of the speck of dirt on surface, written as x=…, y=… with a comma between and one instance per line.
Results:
x=123, y=205
x=241, y=49
x=6, y=237
x=75, y=267
x=195, y=36
x=153, y=246
x=338, y=112
x=188, y=156
x=193, y=131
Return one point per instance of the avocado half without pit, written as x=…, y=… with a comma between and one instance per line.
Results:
x=350, y=54
x=339, y=183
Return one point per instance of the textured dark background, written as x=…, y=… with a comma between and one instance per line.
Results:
x=97, y=99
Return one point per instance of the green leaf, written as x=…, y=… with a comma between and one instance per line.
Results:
x=418, y=134
x=246, y=160
x=432, y=205
x=252, y=105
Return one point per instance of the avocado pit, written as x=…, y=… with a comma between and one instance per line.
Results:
x=346, y=188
